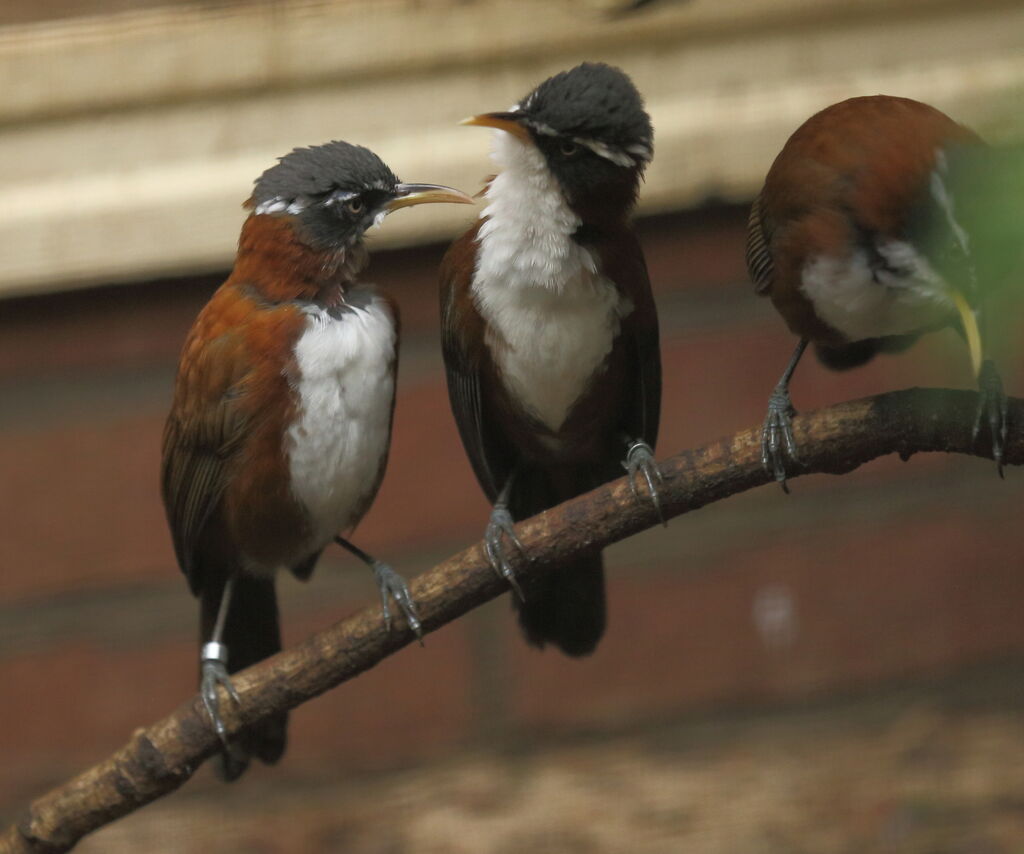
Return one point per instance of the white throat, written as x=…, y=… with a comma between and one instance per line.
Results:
x=552, y=315
x=526, y=238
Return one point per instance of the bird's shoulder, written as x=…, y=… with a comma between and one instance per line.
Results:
x=461, y=321
x=235, y=361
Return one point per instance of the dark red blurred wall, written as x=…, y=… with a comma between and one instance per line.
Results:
x=898, y=570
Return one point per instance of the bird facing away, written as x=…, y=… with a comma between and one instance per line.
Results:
x=857, y=239
x=549, y=329
x=278, y=435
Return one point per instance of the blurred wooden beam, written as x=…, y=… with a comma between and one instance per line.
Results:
x=130, y=140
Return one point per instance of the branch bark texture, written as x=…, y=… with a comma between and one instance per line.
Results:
x=160, y=757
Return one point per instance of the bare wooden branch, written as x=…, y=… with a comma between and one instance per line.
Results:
x=159, y=758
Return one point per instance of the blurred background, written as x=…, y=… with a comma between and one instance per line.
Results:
x=839, y=670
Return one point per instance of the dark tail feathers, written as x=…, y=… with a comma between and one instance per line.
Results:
x=251, y=633
x=566, y=607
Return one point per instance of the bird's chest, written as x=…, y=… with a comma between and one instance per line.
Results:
x=344, y=387
x=892, y=290
x=549, y=343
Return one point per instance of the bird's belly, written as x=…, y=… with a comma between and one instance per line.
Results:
x=339, y=440
x=549, y=353
x=905, y=296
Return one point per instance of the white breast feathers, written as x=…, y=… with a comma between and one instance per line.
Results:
x=345, y=390
x=552, y=315
x=905, y=296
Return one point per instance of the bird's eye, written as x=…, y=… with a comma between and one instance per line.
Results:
x=568, y=148
x=354, y=206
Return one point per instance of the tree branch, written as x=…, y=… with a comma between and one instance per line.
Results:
x=162, y=756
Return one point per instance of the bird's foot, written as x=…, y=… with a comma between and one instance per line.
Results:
x=993, y=410
x=393, y=586
x=501, y=524
x=777, y=442
x=215, y=675
x=640, y=459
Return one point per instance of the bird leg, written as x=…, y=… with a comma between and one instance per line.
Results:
x=501, y=523
x=993, y=409
x=390, y=584
x=214, y=666
x=777, y=442
x=640, y=459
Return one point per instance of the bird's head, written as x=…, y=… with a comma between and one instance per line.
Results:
x=589, y=127
x=336, y=191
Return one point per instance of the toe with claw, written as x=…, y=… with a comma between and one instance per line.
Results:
x=500, y=526
x=214, y=675
x=393, y=586
x=993, y=410
x=777, y=442
x=640, y=460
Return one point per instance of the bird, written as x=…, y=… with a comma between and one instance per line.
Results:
x=278, y=434
x=550, y=331
x=858, y=239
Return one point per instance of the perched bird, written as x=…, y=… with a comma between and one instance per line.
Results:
x=279, y=430
x=550, y=333
x=857, y=239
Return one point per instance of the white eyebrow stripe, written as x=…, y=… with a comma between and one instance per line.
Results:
x=271, y=206
x=641, y=150
x=278, y=205
x=619, y=158
x=543, y=129
x=338, y=196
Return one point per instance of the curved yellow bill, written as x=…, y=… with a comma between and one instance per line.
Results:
x=508, y=122
x=421, y=194
x=970, y=323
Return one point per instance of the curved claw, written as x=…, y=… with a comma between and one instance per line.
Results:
x=214, y=675
x=640, y=458
x=499, y=524
x=391, y=584
x=777, y=441
x=994, y=410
